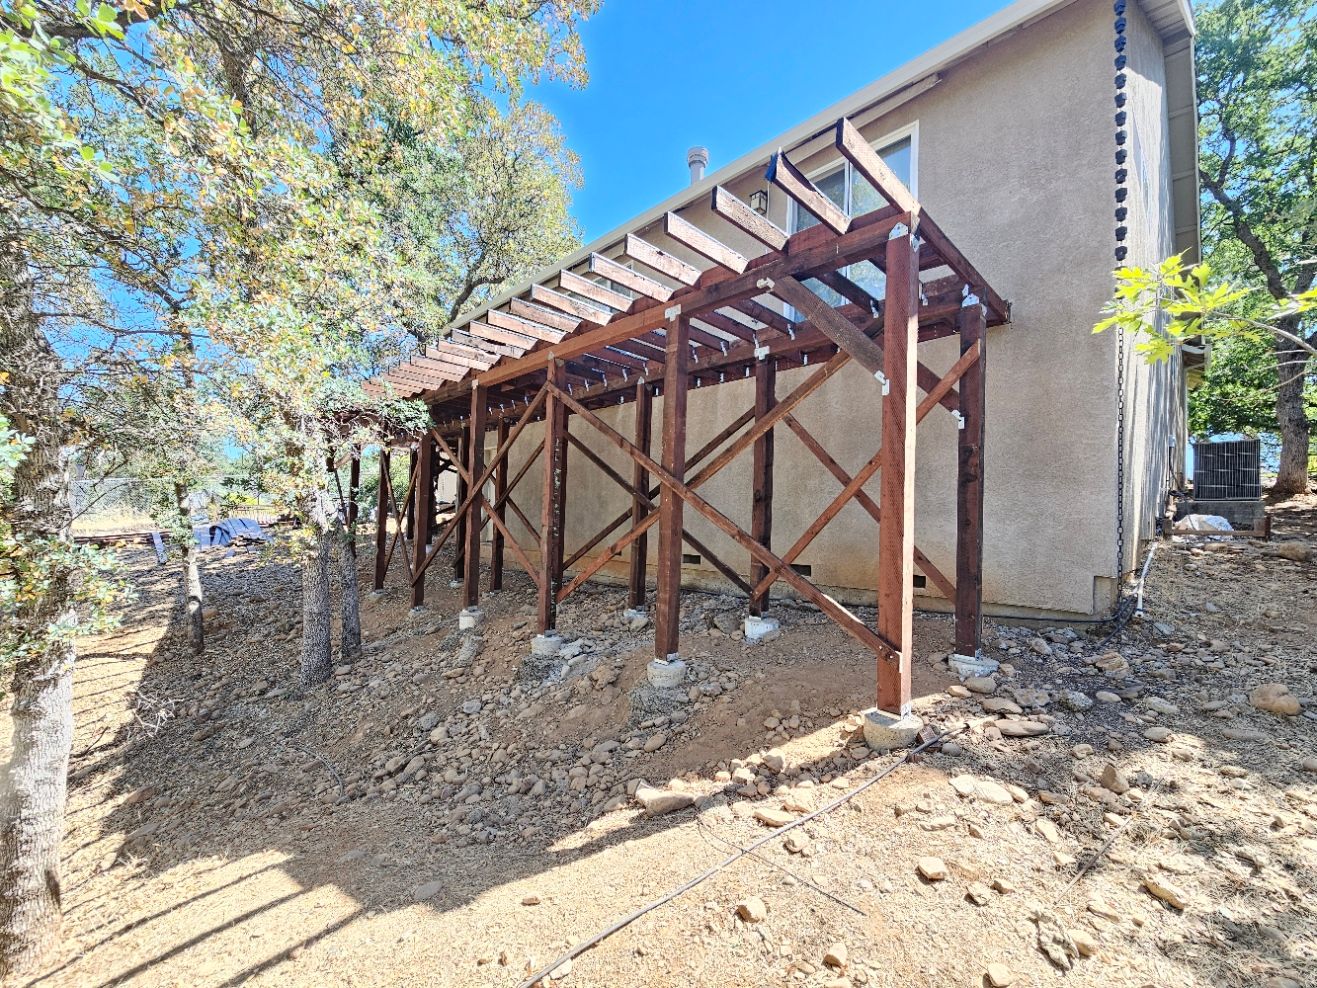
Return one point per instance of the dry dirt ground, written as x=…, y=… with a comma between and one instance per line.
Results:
x=447, y=812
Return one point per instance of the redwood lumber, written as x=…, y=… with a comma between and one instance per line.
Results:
x=593, y=291
x=686, y=232
x=463, y=511
x=533, y=328
x=847, y=621
x=969, y=485
x=422, y=496
x=667, y=617
x=475, y=468
x=554, y=488
x=897, y=486
x=382, y=516
x=787, y=177
x=639, y=505
x=572, y=306
x=643, y=252
x=832, y=323
x=620, y=274
x=496, y=510
x=740, y=215
x=761, y=479
x=869, y=163
x=552, y=318
x=411, y=500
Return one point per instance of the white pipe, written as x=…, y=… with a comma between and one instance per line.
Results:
x=1143, y=575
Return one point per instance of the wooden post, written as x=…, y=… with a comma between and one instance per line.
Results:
x=410, y=528
x=640, y=481
x=761, y=512
x=500, y=488
x=436, y=468
x=475, y=463
x=667, y=610
x=552, y=503
x=354, y=487
x=383, y=512
x=969, y=486
x=896, y=567
x=422, y=496
x=459, y=546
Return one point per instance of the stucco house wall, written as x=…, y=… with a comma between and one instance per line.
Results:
x=1014, y=159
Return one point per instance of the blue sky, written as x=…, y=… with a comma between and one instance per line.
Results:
x=728, y=74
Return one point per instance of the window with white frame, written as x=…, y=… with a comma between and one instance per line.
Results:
x=849, y=189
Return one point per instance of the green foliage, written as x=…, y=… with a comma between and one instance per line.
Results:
x=30, y=567
x=1162, y=308
x=1238, y=391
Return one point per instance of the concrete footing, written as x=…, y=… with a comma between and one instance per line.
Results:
x=546, y=646
x=666, y=674
x=758, y=628
x=456, y=584
x=635, y=614
x=969, y=666
x=884, y=732
x=470, y=618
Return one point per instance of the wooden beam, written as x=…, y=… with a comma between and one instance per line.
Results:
x=382, y=516
x=410, y=529
x=740, y=215
x=419, y=514
x=552, y=318
x=667, y=610
x=896, y=541
x=475, y=467
x=496, y=334
x=593, y=291
x=465, y=499
x=969, y=486
x=639, y=506
x=643, y=252
x=685, y=232
x=465, y=356
x=790, y=179
x=761, y=478
x=497, y=349
x=721, y=289
x=832, y=323
x=525, y=327
x=553, y=493
x=634, y=280
x=869, y=163
x=572, y=306
x=497, y=510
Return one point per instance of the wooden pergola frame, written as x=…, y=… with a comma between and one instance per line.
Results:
x=563, y=351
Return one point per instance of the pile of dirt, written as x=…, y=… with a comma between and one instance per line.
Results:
x=1136, y=810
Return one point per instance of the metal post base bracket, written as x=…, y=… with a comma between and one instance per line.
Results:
x=884, y=732
x=666, y=674
x=760, y=629
x=969, y=666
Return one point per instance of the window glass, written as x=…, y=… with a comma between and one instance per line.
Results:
x=853, y=193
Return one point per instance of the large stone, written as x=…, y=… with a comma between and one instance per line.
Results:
x=932, y=869
x=1112, y=778
x=752, y=909
x=981, y=684
x=1168, y=893
x=659, y=801
x=1021, y=728
x=774, y=818
x=1275, y=698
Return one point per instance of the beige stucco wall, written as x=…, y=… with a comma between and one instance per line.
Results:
x=1014, y=158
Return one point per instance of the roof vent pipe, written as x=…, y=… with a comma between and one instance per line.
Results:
x=697, y=158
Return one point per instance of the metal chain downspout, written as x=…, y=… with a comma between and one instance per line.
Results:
x=1121, y=252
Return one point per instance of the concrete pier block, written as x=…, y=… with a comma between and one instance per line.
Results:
x=470, y=618
x=884, y=732
x=666, y=674
x=758, y=629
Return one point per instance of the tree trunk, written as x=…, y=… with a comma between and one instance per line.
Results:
x=350, y=602
x=196, y=625
x=33, y=784
x=317, y=656
x=1291, y=417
